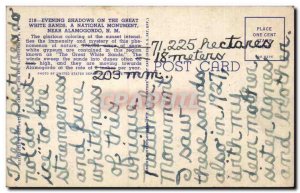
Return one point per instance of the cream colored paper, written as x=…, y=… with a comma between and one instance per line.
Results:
x=150, y=97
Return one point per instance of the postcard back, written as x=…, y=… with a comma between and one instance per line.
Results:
x=150, y=97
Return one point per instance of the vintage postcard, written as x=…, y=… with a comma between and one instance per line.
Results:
x=150, y=97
